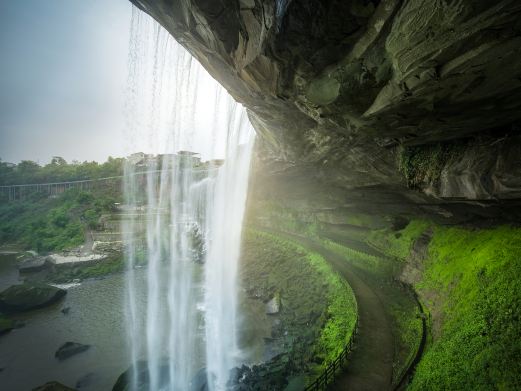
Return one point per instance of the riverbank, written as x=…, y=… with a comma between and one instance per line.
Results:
x=317, y=311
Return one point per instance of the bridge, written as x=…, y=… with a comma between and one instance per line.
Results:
x=19, y=192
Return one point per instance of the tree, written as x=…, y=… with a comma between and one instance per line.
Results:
x=58, y=161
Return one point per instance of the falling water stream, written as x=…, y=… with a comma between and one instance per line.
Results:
x=183, y=217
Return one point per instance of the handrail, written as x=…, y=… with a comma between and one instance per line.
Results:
x=328, y=375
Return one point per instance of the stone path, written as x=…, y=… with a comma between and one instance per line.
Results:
x=369, y=366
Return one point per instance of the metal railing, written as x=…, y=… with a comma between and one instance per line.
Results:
x=328, y=375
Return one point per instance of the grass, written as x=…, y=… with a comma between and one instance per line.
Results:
x=478, y=274
x=341, y=311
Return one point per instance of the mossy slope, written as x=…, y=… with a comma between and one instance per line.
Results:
x=470, y=283
x=318, y=306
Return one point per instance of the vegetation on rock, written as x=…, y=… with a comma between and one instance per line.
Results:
x=422, y=165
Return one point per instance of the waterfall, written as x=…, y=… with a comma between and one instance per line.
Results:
x=185, y=197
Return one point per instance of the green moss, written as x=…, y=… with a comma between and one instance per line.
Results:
x=327, y=310
x=470, y=286
x=341, y=312
x=398, y=244
x=475, y=275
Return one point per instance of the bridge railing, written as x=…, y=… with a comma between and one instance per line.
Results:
x=328, y=375
x=20, y=191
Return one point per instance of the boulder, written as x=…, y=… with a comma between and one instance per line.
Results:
x=143, y=379
x=53, y=386
x=34, y=264
x=100, y=247
x=69, y=349
x=29, y=296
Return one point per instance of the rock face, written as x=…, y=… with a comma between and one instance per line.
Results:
x=29, y=296
x=273, y=306
x=69, y=349
x=337, y=90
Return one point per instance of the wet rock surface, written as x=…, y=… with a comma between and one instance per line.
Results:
x=140, y=372
x=69, y=349
x=34, y=264
x=337, y=89
x=28, y=296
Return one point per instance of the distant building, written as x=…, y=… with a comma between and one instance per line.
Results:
x=185, y=158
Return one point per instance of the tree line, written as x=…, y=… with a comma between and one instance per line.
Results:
x=58, y=170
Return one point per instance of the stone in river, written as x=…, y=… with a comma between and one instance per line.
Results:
x=29, y=296
x=69, y=349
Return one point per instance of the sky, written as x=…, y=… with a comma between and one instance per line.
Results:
x=63, y=72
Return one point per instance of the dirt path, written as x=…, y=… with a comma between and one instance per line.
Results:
x=370, y=364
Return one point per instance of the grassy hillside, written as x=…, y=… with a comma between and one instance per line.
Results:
x=469, y=281
x=46, y=224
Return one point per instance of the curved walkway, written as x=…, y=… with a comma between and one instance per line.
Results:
x=370, y=365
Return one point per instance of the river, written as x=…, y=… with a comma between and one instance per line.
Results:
x=96, y=317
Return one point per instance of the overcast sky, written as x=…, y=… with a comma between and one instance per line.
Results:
x=63, y=69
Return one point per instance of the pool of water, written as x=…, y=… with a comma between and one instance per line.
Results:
x=96, y=317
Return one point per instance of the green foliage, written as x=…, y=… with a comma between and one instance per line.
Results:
x=476, y=275
x=423, y=164
x=470, y=285
x=48, y=224
x=28, y=172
